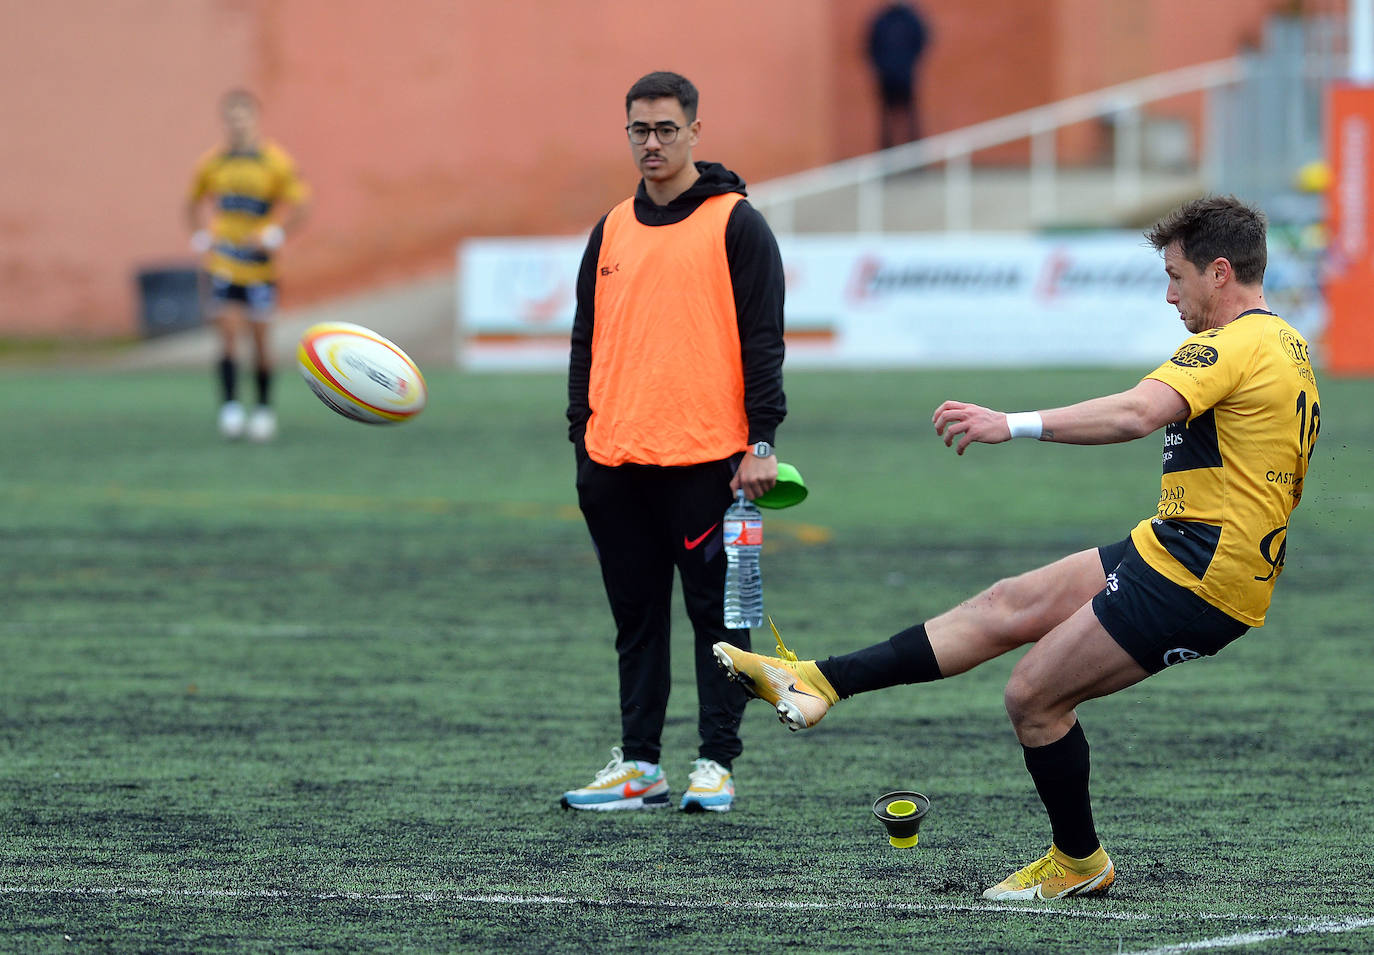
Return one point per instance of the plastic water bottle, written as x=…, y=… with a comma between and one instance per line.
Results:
x=743, y=584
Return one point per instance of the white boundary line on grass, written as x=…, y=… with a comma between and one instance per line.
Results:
x=1324, y=927
x=565, y=900
x=1302, y=926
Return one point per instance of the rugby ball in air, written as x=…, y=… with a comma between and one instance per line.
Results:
x=360, y=374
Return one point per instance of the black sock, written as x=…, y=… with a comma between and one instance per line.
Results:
x=264, y=379
x=228, y=378
x=1060, y=771
x=903, y=658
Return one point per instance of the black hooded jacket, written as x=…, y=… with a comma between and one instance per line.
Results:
x=757, y=279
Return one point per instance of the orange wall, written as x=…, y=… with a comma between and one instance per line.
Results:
x=420, y=122
x=988, y=58
x=478, y=118
x=102, y=108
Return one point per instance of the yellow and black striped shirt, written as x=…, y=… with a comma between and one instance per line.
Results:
x=245, y=186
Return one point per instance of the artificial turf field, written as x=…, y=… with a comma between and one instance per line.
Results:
x=323, y=695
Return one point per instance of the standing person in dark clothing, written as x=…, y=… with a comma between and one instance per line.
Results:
x=674, y=395
x=896, y=40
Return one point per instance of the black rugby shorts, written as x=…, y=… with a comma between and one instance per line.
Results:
x=260, y=297
x=1155, y=620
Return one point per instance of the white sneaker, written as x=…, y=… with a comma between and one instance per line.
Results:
x=262, y=425
x=232, y=420
x=622, y=784
x=711, y=788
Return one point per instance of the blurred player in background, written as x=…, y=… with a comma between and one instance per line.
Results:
x=674, y=394
x=1239, y=407
x=255, y=199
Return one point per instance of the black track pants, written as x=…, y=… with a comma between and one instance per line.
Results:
x=644, y=522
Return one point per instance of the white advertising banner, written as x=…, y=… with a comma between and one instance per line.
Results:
x=986, y=299
x=516, y=299
x=981, y=299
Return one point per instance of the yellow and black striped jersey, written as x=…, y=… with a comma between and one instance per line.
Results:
x=1233, y=472
x=245, y=186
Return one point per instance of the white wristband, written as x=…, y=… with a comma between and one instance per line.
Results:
x=273, y=236
x=1025, y=424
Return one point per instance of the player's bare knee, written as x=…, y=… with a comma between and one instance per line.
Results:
x=1016, y=697
x=1027, y=707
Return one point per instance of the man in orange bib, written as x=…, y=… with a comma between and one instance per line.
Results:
x=674, y=395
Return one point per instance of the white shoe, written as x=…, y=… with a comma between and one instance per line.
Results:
x=710, y=788
x=232, y=420
x=262, y=425
x=622, y=784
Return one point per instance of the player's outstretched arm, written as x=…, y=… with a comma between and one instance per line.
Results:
x=1109, y=419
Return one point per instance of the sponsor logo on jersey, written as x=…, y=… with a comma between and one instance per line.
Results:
x=1273, y=547
x=1195, y=355
x=1172, y=501
x=1194, y=445
x=1294, y=347
x=1172, y=439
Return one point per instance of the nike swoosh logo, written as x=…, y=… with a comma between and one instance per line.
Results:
x=792, y=688
x=693, y=543
x=629, y=790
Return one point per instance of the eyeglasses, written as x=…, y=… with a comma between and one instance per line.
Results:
x=639, y=133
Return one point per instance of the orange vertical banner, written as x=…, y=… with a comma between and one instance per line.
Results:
x=1349, y=279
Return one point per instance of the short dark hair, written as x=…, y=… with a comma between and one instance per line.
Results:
x=1217, y=227
x=661, y=85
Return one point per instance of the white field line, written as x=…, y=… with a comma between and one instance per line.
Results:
x=552, y=900
x=1323, y=927
x=1299, y=925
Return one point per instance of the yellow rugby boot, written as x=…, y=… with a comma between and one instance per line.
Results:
x=796, y=688
x=1056, y=876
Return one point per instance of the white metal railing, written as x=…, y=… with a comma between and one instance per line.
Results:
x=777, y=198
